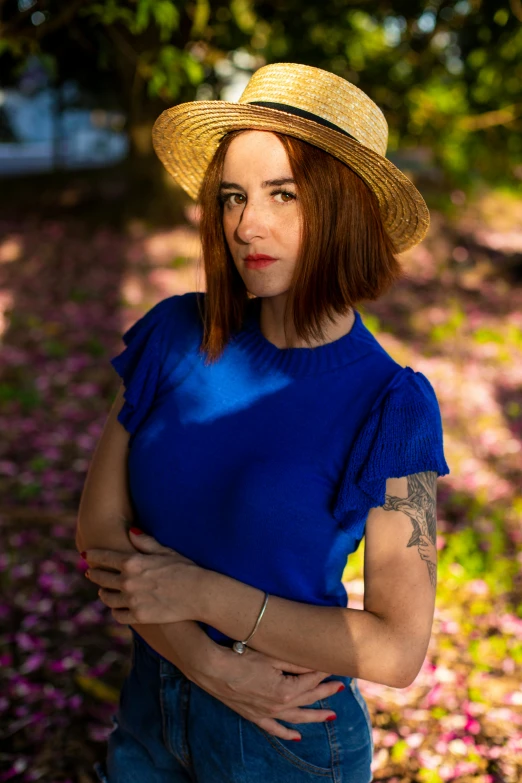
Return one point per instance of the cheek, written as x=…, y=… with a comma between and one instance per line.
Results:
x=290, y=231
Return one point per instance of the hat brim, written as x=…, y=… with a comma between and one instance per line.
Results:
x=185, y=138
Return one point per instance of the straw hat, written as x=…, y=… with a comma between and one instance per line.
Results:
x=309, y=104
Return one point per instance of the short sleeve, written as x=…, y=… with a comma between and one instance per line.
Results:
x=139, y=364
x=402, y=435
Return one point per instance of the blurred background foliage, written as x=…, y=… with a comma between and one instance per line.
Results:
x=446, y=73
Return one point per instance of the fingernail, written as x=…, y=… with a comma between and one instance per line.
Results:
x=296, y=739
x=331, y=717
x=83, y=554
x=136, y=531
x=341, y=688
x=87, y=574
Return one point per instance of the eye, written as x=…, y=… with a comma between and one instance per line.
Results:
x=286, y=196
x=225, y=198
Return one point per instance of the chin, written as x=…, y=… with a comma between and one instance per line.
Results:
x=264, y=287
x=266, y=291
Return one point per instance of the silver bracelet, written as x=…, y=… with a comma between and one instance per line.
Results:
x=240, y=647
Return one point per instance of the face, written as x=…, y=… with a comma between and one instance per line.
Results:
x=261, y=213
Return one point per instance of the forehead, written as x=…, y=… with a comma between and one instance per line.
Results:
x=257, y=150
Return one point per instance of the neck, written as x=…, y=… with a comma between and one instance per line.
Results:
x=271, y=321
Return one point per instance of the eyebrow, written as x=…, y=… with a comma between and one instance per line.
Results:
x=268, y=183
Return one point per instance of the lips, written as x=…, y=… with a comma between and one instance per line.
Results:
x=259, y=264
x=258, y=261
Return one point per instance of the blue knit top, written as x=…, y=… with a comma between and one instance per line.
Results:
x=264, y=465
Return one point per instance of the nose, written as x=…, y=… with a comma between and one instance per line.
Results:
x=252, y=223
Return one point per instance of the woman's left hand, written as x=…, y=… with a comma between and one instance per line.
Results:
x=153, y=585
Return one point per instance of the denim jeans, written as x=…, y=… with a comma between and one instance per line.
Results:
x=168, y=730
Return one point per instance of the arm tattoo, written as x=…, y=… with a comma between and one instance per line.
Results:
x=420, y=507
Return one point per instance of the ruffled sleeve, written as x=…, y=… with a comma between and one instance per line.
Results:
x=402, y=435
x=139, y=364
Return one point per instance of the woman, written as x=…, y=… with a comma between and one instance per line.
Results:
x=260, y=432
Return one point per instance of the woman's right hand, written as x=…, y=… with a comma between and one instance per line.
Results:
x=259, y=689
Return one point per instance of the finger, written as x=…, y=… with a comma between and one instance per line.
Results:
x=277, y=729
x=306, y=715
x=286, y=666
x=300, y=695
x=104, y=578
x=324, y=691
x=148, y=544
x=304, y=682
x=113, y=599
x=106, y=558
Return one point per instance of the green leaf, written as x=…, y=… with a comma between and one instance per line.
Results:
x=244, y=15
x=201, y=17
x=28, y=491
x=97, y=688
x=142, y=15
x=38, y=463
x=55, y=349
x=167, y=17
x=158, y=81
x=400, y=751
x=194, y=70
x=95, y=348
x=178, y=262
x=429, y=776
x=109, y=13
x=486, y=335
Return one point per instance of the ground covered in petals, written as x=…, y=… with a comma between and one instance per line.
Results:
x=67, y=292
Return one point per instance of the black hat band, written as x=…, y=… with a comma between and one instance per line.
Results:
x=306, y=115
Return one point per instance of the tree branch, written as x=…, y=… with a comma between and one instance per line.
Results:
x=490, y=118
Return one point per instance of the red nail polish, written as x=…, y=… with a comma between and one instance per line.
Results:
x=296, y=739
x=136, y=531
x=83, y=554
x=331, y=717
x=341, y=688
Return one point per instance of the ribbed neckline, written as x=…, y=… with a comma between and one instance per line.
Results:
x=302, y=361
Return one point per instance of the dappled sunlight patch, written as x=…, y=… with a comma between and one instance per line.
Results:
x=180, y=242
x=10, y=249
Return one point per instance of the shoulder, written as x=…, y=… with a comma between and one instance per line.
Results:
x=409, y=389
x=401, y=435
x=170, y=323
x=405, y=418
x=155, y=345
x=178, y=309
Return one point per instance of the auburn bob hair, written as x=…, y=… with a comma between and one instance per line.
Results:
x=345, y=254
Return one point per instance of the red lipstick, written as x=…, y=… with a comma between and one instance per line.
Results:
x=258, y=260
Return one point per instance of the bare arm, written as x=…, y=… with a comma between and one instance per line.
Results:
x=254, y=685
x=387, y=641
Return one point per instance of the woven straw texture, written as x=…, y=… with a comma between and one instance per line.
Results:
x=186, y=137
